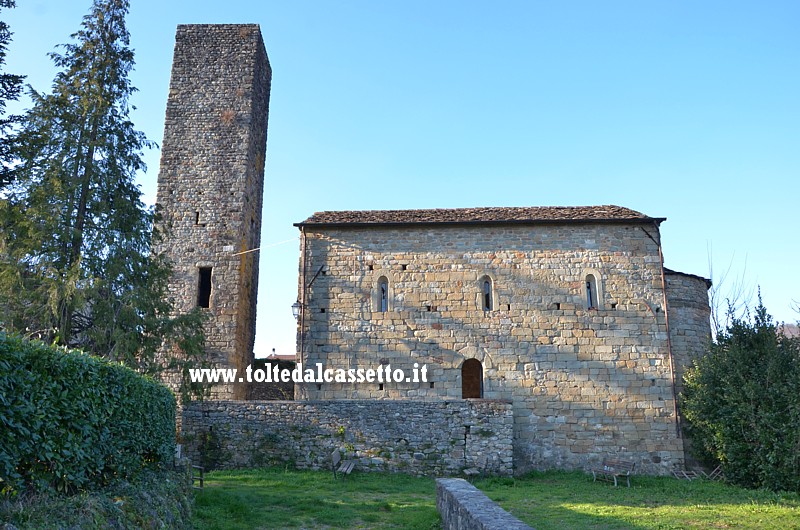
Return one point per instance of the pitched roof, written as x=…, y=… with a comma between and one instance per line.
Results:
x=524, y=215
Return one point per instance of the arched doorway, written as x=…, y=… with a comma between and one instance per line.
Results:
x=471, y=379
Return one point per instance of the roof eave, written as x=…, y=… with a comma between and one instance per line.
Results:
x=401, y=224
x=707, y=281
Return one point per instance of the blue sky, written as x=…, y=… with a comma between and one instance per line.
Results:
x=679, y=109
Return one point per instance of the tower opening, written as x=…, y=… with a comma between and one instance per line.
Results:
x=204, y=287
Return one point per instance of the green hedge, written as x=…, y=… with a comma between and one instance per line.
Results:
x=70, y=421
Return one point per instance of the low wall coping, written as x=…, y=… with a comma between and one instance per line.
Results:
x=327, y=401
x=465, y=507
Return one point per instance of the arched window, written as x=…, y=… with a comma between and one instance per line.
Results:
x=380, y=296
x=383, y=294
x=591, y=292
x=486, y=293
x=471, y=379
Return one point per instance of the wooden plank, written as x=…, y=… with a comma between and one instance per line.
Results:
x=341, y=466
x=198, y=474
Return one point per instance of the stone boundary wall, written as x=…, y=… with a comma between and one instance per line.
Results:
x=418, y=437
x=464, y=507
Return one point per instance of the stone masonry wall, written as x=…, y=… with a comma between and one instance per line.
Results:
x=690, y=331
x=210, y=182
x=689, y=315
x=424, y=438
x=584, y=383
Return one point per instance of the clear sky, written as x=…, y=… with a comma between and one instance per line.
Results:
x=680, y=109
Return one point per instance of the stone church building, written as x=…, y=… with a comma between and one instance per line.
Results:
x=551, y=336
x=567, y=312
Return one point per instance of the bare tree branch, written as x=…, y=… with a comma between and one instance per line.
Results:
x=729, y=296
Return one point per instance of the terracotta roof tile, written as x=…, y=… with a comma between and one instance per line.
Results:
x=534, y=214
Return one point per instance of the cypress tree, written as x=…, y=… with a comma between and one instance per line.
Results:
x=10, y=89
x=77, y=269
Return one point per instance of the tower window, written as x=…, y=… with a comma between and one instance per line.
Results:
x=204, y=287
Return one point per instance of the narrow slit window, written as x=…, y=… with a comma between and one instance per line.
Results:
x=486, y=293
x=383, y=294
x=591, y=292
x=204, y=287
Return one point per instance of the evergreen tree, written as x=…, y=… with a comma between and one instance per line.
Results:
x=10, y=88
x=74, y=257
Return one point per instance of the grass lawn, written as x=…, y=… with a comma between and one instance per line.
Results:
x=559, y=500
x=277, y=498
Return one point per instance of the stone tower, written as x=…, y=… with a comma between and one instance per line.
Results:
x=210, y=184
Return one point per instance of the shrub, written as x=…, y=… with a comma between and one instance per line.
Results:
x=70, y=421
x=212, y=450
x=742, y=401
x=155, y=499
